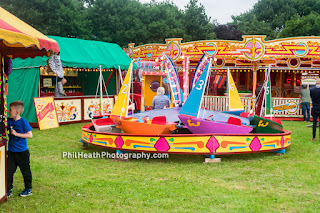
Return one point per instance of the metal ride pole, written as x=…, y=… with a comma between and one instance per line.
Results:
x=101, y=94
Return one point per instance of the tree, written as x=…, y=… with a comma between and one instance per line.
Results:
x=271, y=17
x=55, y=17
x=163, y=20
x=196, y=23
x=228, y=32
x=249, y=25
x=117, y=21
x=302, y=26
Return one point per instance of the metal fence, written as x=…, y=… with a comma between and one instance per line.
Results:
x=220, y=103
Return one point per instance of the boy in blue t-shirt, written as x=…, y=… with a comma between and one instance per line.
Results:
x=18, y=152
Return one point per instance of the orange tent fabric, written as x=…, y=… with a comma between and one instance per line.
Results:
x=18, y=39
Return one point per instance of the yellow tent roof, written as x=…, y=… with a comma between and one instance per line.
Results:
x=24, y=39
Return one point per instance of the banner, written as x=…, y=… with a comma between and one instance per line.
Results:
x=290, y=107
x=309, y=78
x=46, y=113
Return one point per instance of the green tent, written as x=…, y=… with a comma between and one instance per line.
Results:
x=23, y=82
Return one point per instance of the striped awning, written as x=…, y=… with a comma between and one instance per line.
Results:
x=19, y=39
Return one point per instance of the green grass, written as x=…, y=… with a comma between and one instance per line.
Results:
x=262, y=182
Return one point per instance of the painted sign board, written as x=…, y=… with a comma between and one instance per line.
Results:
x=46, y=113
x=309, y=78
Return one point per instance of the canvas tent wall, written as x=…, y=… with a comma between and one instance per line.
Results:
x=23, y=82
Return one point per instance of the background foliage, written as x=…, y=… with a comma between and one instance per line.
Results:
x=125, y=21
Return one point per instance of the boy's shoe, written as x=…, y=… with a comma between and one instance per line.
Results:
x=9, y=193
x=26, y=192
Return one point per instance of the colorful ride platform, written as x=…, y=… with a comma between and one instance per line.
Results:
x=200, y=144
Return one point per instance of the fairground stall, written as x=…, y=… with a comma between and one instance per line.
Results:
x=293, y=61
x=17, y=39
x=81, y=61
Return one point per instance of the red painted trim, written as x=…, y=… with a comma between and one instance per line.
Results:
x=49, y=45
x=82, y=111
x=3, y=199
x=5, y=26
x=70, y=122
x=81, y=97
x=34, y=125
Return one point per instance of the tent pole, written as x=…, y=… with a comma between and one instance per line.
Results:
x=121, y=80
x=101, y=93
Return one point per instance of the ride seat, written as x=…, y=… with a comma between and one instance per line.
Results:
x=161, y=120
x=234, y=121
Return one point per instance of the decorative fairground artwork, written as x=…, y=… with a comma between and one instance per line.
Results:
x=46, y=113
x=2, y=171
x=252, y=48
x=92, y=107
x=203, y=144
x=68, y=110
x=290, y=107
x=309, y=78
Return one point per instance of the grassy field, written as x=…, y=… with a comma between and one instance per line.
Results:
x=261, y=182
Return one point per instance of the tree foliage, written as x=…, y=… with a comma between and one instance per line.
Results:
x=125, y=21
x=55, y=17
x=196, y=22
x=118, y=21
x=228, y=32
x=280, y=18
x=302, y=26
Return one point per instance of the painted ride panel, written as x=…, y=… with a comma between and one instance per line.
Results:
x=147, y=126
x=202, y=144
x=201, y=126
x=189, y=113
x=172, y=115
x=265, y=125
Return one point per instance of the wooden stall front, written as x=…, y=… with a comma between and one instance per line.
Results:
x=76, y=109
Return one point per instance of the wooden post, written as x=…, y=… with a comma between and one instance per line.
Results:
x=281, y=83
x=255, y=68
x=142, y=108
x=3, y=148
x=185, y=70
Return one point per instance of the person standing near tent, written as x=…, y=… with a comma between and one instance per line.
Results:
x=59, y=92
x=305, y=102
x=315, y=111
